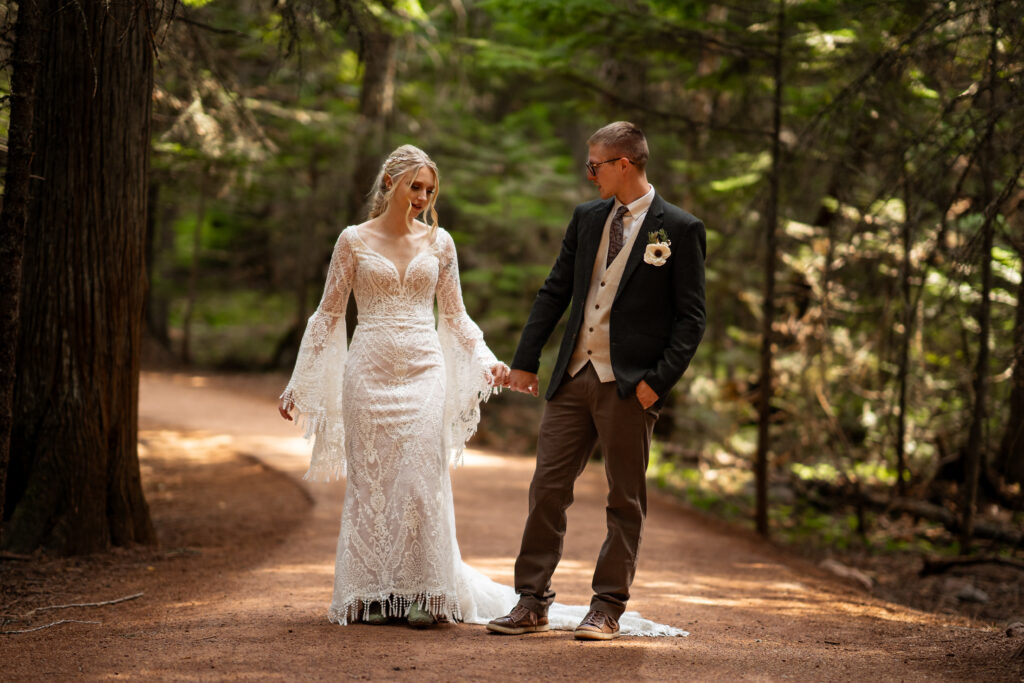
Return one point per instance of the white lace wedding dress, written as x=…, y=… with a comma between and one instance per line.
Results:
x=392, y=414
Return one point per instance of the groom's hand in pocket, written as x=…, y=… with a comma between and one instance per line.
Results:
x=645, y=395
x=524, y=382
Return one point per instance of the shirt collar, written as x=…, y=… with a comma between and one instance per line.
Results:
x=637, y=206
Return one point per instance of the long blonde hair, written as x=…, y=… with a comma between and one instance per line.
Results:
x=407, y=159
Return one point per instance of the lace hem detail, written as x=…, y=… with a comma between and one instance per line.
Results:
x=441, y=605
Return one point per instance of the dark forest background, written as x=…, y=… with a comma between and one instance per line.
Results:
x=857, y=164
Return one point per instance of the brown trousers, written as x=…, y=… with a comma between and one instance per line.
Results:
x=584, y=411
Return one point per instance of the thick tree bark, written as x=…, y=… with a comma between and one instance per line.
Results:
x=25, y=62
x=771, y=258
x=74, y=476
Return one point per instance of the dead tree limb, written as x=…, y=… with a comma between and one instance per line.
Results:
x=56, y=623
x=938, y=565
x=828, y=496
x=84, y=604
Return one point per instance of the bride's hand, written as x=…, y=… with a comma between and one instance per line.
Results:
x=499, y=375
x=285, y=408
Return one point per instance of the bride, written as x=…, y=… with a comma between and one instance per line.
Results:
x=392, y=412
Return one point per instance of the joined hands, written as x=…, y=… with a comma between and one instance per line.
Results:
x=527, y=383
x=524, y=382
x=499, y=375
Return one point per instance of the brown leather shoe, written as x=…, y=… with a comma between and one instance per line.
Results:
x=597, y=626
x=520, y=620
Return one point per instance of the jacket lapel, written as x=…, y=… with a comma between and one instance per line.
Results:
x=589, y=241
x=652, y=223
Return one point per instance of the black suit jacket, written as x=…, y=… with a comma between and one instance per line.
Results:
x=658, y=315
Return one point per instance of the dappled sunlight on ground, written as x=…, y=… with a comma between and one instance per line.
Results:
x=477, y=458
x=789, y=599
x=309, y=569
x=194, y=447
x=473, y=458
x=497, y=568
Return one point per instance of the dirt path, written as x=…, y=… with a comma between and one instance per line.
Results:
x=241, y=584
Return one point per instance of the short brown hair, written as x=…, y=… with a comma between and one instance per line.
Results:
x=624, y=138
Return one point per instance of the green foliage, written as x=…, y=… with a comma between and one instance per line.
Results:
x=236, y=329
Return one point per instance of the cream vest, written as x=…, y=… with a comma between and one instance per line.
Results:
x=593, y=342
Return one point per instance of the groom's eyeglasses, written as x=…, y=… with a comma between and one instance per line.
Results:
x=592, y=167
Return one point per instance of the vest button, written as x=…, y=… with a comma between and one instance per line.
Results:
x=597, y=305
x=591, y=329
x=589, y=352
x=602, y=284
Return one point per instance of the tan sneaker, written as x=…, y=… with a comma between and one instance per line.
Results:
x=519, y=621
x=597, y=626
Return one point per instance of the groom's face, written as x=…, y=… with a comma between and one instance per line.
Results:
x=607, y=176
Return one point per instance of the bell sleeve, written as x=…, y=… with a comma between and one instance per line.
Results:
x=467, y=360
x=315, y=387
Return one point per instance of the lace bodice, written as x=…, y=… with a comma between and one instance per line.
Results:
x=400, y=303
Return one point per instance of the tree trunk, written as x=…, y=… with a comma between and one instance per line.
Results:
x=193, y=273
x=771, y=257
x=974, y=451
x=624, y=74
x=907, y=314
x=1011, y=449
x=376, y=102
x=74, y=476
x=156, y=305
x=25, y=62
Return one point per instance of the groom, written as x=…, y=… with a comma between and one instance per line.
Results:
x=632, y=267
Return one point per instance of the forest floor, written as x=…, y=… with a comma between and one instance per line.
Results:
x=239, y=586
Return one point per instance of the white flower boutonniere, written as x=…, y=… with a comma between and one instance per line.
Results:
x=657, y=251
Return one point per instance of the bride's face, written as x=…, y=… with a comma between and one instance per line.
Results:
x=417, y=194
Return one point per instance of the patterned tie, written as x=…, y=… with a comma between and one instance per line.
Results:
x=615, y=238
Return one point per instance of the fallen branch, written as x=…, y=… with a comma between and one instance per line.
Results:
x=940, y=565
x=5, y=555
x=56, y=623
x=828, y=496
x=84, y=604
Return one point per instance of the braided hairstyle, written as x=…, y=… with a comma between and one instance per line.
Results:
x=402, y=165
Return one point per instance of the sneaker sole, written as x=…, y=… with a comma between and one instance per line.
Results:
x=516, y=630
x=594, y=635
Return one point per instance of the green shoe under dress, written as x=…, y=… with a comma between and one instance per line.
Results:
x=419, y=617
x=376, y=615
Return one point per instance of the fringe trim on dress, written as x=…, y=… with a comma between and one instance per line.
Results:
x=328, y=461
x=441, y=606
